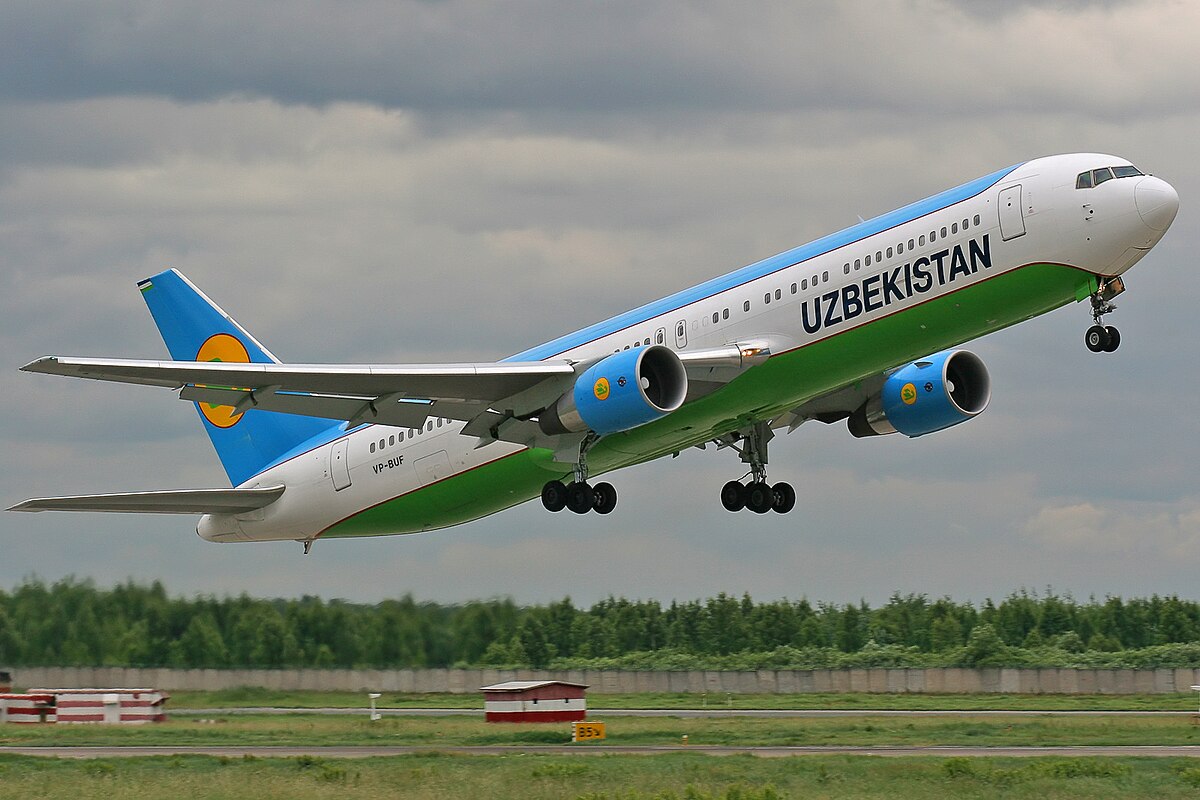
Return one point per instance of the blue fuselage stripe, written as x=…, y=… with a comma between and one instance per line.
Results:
x=762, y=268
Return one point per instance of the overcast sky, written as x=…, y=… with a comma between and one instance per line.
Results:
x=438, y=181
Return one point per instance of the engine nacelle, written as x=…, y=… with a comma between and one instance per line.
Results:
x=620, y=392
x=926, y=396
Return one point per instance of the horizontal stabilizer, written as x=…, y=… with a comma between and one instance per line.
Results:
x=174, y=501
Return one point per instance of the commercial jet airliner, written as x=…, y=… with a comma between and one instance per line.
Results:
x=860, y=326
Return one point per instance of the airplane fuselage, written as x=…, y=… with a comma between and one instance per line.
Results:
x=932, y=275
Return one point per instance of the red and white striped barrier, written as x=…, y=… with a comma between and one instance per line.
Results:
x=27, y=707
x=112, y=706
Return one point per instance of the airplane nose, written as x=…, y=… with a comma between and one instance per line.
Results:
x=1157, y=202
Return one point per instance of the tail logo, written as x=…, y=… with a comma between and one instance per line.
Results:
x=226, y=348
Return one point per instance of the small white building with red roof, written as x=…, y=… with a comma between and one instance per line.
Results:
x=534, y=701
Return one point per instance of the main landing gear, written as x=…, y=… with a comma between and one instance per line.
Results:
x=757, y=495
x=1101, y=338
x=578, y=495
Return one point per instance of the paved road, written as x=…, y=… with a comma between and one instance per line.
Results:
x=1192, y=751
x=677, y=712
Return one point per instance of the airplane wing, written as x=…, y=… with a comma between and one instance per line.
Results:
x=180, y=501
x=488, y=394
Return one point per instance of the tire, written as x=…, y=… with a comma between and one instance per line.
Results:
x=579, y=497
x=759, y=498
x=1096, y=338
x=733, y=496
x=554, y=496
x=604, y=498
x=785, y=497
x=1114, y=339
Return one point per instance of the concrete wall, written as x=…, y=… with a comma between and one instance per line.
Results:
x=460, y=681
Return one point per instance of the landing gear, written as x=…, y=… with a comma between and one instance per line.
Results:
x=1101, y=338
x=579, y=495
x=757, y=495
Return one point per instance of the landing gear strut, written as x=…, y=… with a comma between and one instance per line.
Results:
x=757, y=495
x=578, y=495
x=1101, y=338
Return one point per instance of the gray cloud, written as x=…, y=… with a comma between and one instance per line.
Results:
x=453, y=181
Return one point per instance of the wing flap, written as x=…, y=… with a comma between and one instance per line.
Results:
x=172, y=501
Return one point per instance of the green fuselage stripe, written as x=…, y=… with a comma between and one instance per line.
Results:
x=782, y=383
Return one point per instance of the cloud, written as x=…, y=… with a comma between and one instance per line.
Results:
x=459, y=181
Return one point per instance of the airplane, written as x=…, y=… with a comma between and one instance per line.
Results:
x=861, y=326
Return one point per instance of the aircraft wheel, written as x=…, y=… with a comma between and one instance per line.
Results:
x=733, y=496
x=759, y=498
x=784, y=496
x=1114, y=339
x=554, y=496
x=579, y=497
x=1096, y=338
x=604, y=498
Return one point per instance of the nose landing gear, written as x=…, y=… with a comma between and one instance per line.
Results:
x=757, y=495
x=1101, y=338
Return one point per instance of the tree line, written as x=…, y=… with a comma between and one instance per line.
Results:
x=73, y=623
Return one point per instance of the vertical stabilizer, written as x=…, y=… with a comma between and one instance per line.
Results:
x=196, y=329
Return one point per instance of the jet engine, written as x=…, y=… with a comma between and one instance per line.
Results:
x=926, y=396
x=620, y=392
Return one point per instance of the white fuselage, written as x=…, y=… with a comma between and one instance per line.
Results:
x=1033, y=214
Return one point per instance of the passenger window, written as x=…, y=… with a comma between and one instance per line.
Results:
x=778, y=294
x=889, y=252
x=900, y=248
x=680, y=330
x=429, y=426
x=804, y=283
x=440, y=421
x=716, y=317
x=725, y=314
x=932, y=237
x=868, y=259
x=954, y=228
x=746, y=306
x=793, y=288
x=858, y=263
x=767, y=297
x=626, y=347
x=846, y=268
x=977, y=220
x=372, y=447
x=965, y=223
x=660, y=335
x=943, y=233
x=878, y=256
x=825, y=277
x=647, y=342
x=401, y=436
x=910, y=244
x=922, y=240
x=392, y=441
x=1099, y=176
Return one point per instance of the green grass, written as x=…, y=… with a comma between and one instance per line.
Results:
x=661, y=777
x=250, y=697
x=317, y=730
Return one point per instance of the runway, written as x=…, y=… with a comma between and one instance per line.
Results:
x=686, y=713
x=1152, y=751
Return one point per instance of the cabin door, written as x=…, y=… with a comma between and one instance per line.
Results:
x=1012, y=218
x=339, y=466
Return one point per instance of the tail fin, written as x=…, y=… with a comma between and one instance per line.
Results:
x=196, y=329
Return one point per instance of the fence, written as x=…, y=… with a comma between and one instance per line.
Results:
x=461, y=681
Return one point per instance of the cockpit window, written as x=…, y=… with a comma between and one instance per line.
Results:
x=1095, y=177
